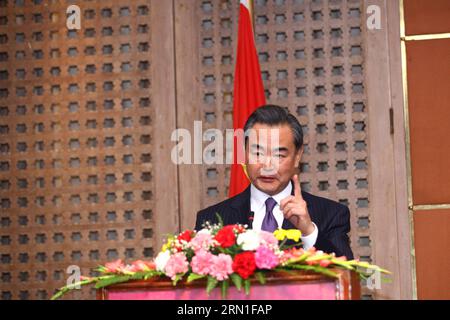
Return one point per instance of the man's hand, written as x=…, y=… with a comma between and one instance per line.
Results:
x=295, y=210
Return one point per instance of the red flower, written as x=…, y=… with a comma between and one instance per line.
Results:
x=238, y=228
x=186, y=235
x=226, y=236
x=244, y=264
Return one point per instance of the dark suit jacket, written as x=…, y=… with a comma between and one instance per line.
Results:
x=331, y=218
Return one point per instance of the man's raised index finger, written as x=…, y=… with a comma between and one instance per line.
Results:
x=297, y=190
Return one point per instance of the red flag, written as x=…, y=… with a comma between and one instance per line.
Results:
x=248, y=89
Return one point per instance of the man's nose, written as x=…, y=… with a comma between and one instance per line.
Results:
x=267, y=161
x=270, y=164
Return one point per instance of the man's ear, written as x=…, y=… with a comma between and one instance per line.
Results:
x=298, y=156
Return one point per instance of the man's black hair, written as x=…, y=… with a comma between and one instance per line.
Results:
x=274, y=115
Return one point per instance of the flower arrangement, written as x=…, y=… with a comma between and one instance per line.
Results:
x=225, y=255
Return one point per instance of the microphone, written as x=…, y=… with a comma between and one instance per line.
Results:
x=251, y=217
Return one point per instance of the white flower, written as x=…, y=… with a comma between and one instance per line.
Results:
x=249, y=240
x=204, y=231
x=161, y=260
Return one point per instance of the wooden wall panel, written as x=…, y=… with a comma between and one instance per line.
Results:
x=428, y=98
x=79, y=118
x=432, y=238
x=188, y=94
x=427, y=65
x=391, y=243
x=164, y=103
x=426, y=16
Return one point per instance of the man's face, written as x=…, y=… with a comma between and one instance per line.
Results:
x=271, y=162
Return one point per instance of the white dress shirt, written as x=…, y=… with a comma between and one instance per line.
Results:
x=258, y=206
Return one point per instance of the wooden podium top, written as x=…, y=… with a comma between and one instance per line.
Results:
x=295, y=285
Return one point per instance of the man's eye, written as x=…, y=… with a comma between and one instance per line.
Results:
x=280, y=156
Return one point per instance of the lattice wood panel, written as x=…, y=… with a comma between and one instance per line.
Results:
x=312, y=60
x=218, y=29
x=75, y=141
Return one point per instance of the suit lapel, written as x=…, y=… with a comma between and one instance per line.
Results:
x=241, y=208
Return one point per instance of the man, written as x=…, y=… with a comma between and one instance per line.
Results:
x=274, y=199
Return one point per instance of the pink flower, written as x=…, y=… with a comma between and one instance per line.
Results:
x=222, y=266
x=294, y=253
x=129, y=269
x=202, y=240
x=115, y=266
x=177, y=264
x=202, y=261
x=267, y=238
x=265, y=258
x=143, y=266
x=324, y=263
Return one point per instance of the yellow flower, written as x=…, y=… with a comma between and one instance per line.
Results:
x=291, y=234
x=167, y=245
x=280, y=234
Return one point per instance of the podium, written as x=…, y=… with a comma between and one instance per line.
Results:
x=295, y=285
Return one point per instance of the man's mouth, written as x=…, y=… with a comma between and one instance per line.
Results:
x=267, y=179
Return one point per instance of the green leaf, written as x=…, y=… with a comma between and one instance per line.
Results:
x=281, y=245
x=58, y=294
x=386, y=280
x=317, y=269
x=194, y=276
x=104, y=282
x=101, y=269
x=225, y=286
x=73, y=286
x=178, y=277
x=247, y=285
x=343, y=264
x=260, y=277
x=138, y=276
x=211, y=284
x=152, y=274
x=219, y=219
x=237, y=281
x=283, y=269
